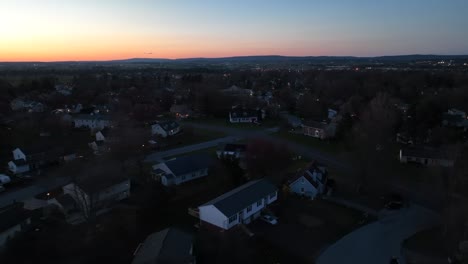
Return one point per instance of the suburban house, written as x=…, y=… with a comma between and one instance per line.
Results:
x=240, y=115
x=19, y=166
x=92, y=194
x=237, y=91
x=64, y=89
x=165, y=129
x=231, y=150
x=292, y=120
x=426, y=156
x=238, y=206
x=31, y=106
x=182, y=169
x=321, y=130
x=170, y=245
x=13, y=220
x=92, y=121
x=310, y=182
x=181, y=110
x=455, y=118
x=37, y=156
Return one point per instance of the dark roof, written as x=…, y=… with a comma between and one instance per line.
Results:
x=307, y=173
x=12, y=215
x=315, y=124
x=169, y=125
x=235, y=147
x=236, y=200
x=425, y=152
x=66, y=200
x=188, y=164
x=158, y=171
x=97, y=178
x=239, y=112
x=170, y=245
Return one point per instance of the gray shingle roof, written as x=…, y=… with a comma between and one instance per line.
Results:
x=188, y=164
x=169, y=125
x=236, y=200
x=170, y=245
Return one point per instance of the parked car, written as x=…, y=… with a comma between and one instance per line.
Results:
x=269, y=219
x=395, y=202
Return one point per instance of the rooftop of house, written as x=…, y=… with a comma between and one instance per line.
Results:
x=170, y=245
x=20, y=162
x=234, y=147
x=169, y=125
x=425, y=152
x=92, y=117
x=190, y=163
x=66, y=200
x=308, y=172
x=315, y=124
x=239, y=198
x=242, y=112
x=12, y=215
x=96, y=179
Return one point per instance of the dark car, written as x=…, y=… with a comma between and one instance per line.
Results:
x=395, y=202
x=394, y=260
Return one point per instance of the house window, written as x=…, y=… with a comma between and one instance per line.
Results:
x=233, y=218
x=259, y=203
x=183, y=177
x=194, y=175
x=302, y=180
x=302, y=190
x=249, y=208
x=273, y=195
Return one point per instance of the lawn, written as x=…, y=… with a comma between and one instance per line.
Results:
x=428, y=243
x=189, y=138
x=327, y=146
x=225, y=122
x=307, y=227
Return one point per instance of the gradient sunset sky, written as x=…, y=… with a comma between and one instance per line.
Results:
x=57, y=30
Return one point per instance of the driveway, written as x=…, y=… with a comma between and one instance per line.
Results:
x=377, y=242
x=39, y=186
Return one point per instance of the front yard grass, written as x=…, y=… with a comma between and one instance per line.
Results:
x=327, y=146
x=307, y=227
x=429, y=243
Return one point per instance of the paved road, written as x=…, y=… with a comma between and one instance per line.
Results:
x=377, y=242
x=305, y=151
x=158, y=156
x=40, y=186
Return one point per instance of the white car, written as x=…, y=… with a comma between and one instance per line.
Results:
x=269, y=219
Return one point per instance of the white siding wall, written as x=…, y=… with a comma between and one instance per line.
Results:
x=18, y=154
x=191, y=176
x=210, y=214
x=309, y=189
x=156, y=129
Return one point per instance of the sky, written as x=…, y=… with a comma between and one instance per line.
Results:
x=59, y=30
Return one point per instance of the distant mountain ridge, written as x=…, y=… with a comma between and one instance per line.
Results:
x=267, y=59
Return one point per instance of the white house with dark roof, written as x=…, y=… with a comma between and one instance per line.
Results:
x=182, y=169
x=170, y=245
x=165, y=129
x=92, y=121
x=310, y=182
x=241, y=115
x=238, y=206
x=427, y=156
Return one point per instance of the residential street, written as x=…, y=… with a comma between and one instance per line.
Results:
x=377, y=242
x=305, y=151
x=39, y=186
